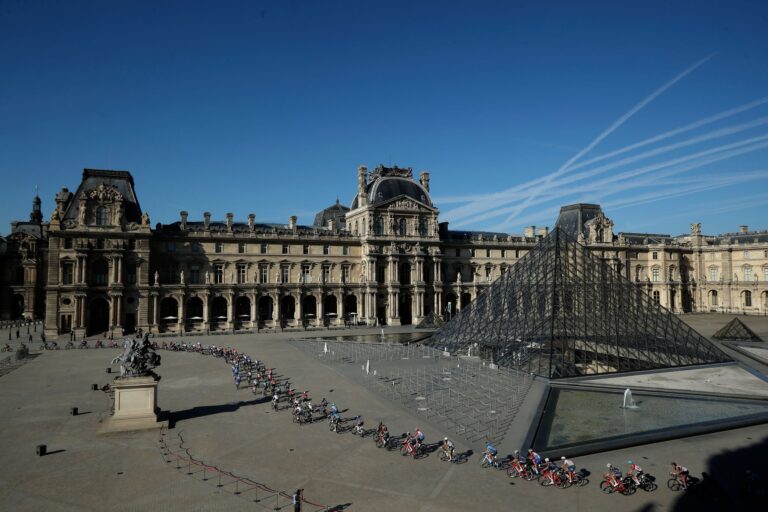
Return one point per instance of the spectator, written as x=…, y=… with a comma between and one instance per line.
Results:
x=298, y=497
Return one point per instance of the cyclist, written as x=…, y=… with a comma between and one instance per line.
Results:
x=359, y=425
x=275, y=400
x=549, y=470
x=447, y=447
x=335, y=419
x=334, y=409
x=490, y=453
x=419, y=437
x=634, y=471
x=681, y=473
x=569, y=468
x=534, y=459
x=613, y=476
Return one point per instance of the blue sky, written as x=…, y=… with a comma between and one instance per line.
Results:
x=269, y=107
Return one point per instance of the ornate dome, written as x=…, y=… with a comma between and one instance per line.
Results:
x=384, y=188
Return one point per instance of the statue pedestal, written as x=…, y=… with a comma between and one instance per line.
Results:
x=135, y=406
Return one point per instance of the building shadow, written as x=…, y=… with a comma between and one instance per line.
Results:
x=727, y=484
x=173, y=417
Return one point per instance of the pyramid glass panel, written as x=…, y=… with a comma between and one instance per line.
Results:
x=562, y=312
x=736, y=330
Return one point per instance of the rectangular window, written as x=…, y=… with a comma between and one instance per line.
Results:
x=517, y=253
x=380, y=274
x=305, y=249
x=241, y=277
x=472, y=252
x=305, y=274
x=67, y=243
x=326, y=249
x=194, y=274
x=218, y=274
x=656, y=296
x=263, y=248
x=67, y=273
x=263, y=274
x=656, y=275
x=219, y=247
x=747, y=273
x=285, y=248
x=345, y=274
x=326, y=274
x=284, y=274
x=345, y=250
x=130, y=274
x=487, y=253
x=170, y=246
x=458, y=252
x=746, y=255
x=241, y=247
x=503, y=253
x=487, y=272
x=655, y=255
x=195, y=247
x=765, y=276
x=713, y=274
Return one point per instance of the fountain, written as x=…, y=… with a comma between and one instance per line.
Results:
x=629, y=402
x=382, y=335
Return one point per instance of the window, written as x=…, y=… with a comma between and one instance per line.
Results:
x=101, y=216
x=305, y=273
x=67, y=273
x=326, y=249
x=713, y=298
x=747, y=273
x=746, y=255
x=241, y=278
x=263, y=249
x=194, y=274
x=305, y=249
x=170, y=246
x=713, y=274
x=487, y=253
x=503, y=253
x=472, y=252
x=488, y=273
x=517, y=253
x=747, y=299
x=326, y=274
x=380, y=274
x=67, y=243
x=100, y=243
x=285, y=248
x=655, y=255
x=131, y=244
x=218, y=273
x=655, y=275
x=765, y=273
x=345, y=274
x=378, y=226
x=656, y=296
x=402, y=229
x=241, y=247
x=345, y=250
x=284, y=274
x=458, y=252
x=219, y=247
x=263, y=274
x=195, y=247
x=99, y=272
x=130, y=274
x=423, y=226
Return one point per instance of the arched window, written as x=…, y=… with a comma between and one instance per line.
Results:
x=746, y=299
x=402, y=227
x=101, y=216
x=713, y=298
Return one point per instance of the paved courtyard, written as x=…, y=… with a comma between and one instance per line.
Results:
x=238, y=433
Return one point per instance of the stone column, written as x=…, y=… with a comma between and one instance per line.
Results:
x=254, y=299
x=230, y=311
x=299, y=314
x=320, y=310
x=206, y=308
x=180, y=314
x=154, y=309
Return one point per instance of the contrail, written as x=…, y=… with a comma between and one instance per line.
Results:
x=707, y=156
x=615, y=126
x=684, y=163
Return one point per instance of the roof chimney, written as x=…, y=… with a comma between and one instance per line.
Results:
x=207, y=220
x=530, y=232
x=743, y=230
x=230, y=216
x=292, y=222
x=251, y=220
x=183, y=220
x=362, y=182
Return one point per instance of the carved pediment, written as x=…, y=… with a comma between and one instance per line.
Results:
x=104, y=193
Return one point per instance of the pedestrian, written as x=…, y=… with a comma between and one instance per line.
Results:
x=42, y=337
x=71, y=335
x=30, y=338
x=298, y=497
x=17, y=333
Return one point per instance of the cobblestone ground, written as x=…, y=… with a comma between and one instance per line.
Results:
x=234, y=431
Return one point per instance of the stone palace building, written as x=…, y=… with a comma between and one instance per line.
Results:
x=98, y=265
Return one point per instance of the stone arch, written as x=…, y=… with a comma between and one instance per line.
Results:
x=466, y=299
x=309, y=307
x=266, y=308
x=17, y=307
x=746, y=299
x=98, y=315
x=243, y=309
x=219, y=310
x=287, y=308
x=195, y=310
x=169, y=310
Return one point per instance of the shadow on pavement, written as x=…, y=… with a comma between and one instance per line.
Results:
x=174, y=417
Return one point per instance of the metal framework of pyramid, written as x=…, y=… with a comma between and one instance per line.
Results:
x=736, y=330
x=562, y=312
x=431, y=321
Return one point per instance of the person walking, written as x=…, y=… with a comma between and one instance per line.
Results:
x=298, y=497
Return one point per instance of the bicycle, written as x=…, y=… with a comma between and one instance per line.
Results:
x=677, y=484
x=620, y=487
x=644, y=481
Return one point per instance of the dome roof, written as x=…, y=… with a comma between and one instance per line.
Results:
x=386, y=188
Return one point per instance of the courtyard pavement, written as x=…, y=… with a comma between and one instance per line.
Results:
x=233, y=430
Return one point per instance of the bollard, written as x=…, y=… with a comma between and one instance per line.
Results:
x=109, y=370
x=73, y=411
x=42, y=450
x=94, y=387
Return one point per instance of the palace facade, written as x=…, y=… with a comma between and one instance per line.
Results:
x=98, y=265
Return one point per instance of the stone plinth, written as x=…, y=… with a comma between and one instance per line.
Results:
x=135, y=405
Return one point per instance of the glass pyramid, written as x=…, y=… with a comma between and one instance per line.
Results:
x=736, y=330
x=562, y=312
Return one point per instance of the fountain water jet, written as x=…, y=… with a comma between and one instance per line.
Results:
x=629, y=402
